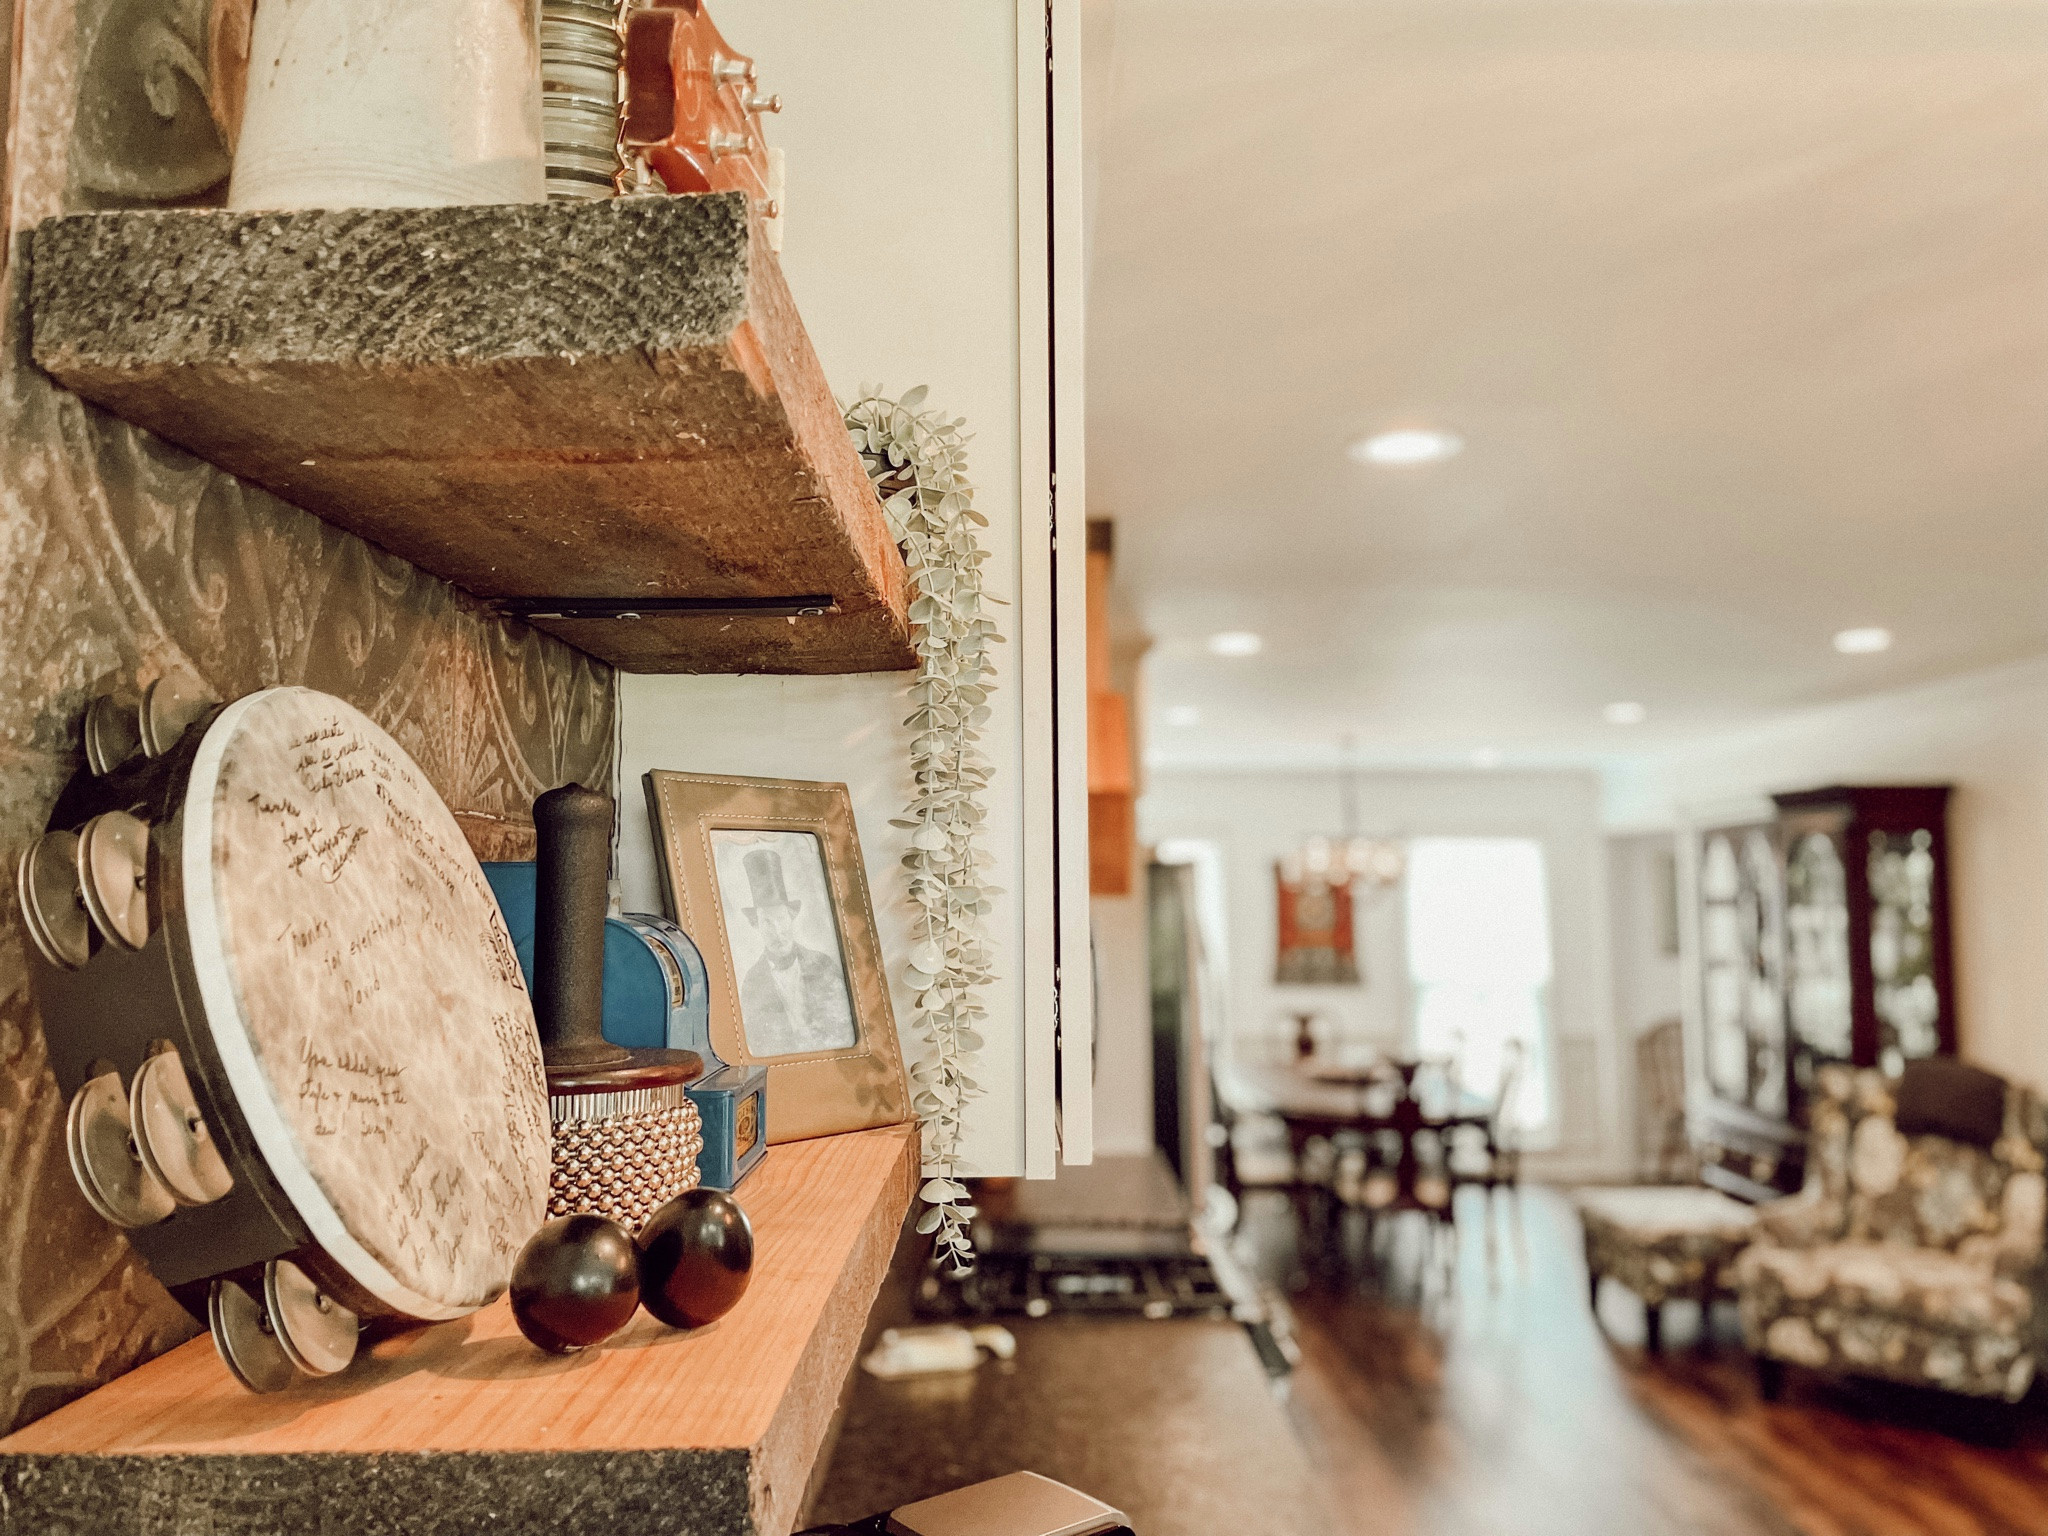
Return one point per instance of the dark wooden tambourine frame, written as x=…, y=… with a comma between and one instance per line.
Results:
x=119, y=1008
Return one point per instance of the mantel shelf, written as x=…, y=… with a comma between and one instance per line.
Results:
x=555, y=407
x=465, y=1426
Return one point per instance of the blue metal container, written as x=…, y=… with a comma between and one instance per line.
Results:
x=733, y=1102
x=656, y=991
x=686, y=1022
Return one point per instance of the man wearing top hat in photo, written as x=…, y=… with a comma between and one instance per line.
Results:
x=793, y=999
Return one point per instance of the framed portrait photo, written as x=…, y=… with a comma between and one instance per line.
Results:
x=766, y=876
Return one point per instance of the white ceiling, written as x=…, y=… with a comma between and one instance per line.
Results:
x=1742, y=309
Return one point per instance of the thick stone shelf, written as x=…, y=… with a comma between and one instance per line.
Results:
x=564, y=409
x=464, y=1426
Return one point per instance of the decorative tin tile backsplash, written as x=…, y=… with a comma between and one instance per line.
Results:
x=122, y=559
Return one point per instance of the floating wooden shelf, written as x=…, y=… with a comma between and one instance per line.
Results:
x=613, y=403
x=465, y=1426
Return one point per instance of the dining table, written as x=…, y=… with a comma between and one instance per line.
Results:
x=1346, y=1089
x=1369, y=1099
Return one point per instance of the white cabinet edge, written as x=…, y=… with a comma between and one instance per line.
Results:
x=1059, y=999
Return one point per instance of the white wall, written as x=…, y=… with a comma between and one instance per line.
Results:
x=1123, y=1023
x=1642, y=922
x=1646, y=973
x=1988, y=735
x=1258, y=817
x=901, y=247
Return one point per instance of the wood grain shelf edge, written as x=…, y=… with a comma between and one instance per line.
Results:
x=468, y=1415
x=613, y=400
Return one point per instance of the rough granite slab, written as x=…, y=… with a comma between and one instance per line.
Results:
x=573, y=1493
x=610, y=400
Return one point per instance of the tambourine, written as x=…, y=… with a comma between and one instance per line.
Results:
x=303, y=1066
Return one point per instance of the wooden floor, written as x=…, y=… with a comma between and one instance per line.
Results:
x=1472, y=1408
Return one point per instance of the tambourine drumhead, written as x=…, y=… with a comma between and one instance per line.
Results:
x=363, y=995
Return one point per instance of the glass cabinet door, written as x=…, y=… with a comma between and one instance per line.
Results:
x=1869, y=974
x=1817, y=922
x=1903, y=990
x=1721, y=970
x=1742, y=969
x=1762, y=906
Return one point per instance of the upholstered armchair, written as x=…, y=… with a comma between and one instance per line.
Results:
x=1915, y=1251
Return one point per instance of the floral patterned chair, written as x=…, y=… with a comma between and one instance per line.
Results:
x=1664, y=1242
x=1915, y=1251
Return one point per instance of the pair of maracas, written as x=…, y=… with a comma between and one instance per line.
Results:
x=579, y=1278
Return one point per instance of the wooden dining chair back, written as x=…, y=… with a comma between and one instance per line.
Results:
x=1406, y=1154
x=1503, y=1142
x=1662, y=1146
x=1487, y=1155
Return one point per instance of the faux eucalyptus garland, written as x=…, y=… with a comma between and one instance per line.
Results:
x=917, y=460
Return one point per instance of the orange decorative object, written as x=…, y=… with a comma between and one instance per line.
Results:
x=1316, y=932
x=1112, y=760
x=691, y=110
x=1112, y=796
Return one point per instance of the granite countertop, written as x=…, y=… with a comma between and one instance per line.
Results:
x=1174, y=1422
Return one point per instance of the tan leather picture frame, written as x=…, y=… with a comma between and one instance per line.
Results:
x=820, y=1092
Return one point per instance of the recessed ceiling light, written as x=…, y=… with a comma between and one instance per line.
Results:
x=1863, y=642
x=1627, y=712
x=1407, y=445
x=1235, y=642
x=1183, y=714
x=1487, y=757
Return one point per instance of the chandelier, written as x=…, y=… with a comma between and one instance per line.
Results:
x=1319, y=886
x=1370, y=863
x=1363, y=865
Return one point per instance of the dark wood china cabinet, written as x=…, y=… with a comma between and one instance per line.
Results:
x=1820, y=935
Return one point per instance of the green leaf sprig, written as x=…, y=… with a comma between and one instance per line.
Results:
x=917, y=462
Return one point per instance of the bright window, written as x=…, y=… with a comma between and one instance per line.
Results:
x=1479, y=962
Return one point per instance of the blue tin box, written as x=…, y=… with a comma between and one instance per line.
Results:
x=656, y=992
x=733, y=1102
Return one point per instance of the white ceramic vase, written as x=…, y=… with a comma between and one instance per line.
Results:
x=391, y=104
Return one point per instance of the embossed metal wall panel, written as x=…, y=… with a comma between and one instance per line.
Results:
x=122, y=559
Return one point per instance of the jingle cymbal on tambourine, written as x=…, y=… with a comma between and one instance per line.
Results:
x=172, y=1135
x=104, y=1160
x=316, y=1332
x=113, y=876
x=169, y=705
x=247, y=1343
x=113, y=732
x=52, y=902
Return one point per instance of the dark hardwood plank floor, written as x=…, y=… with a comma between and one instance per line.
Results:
x=1488, y=1404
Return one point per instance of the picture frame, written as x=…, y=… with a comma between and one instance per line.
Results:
x=766, y=876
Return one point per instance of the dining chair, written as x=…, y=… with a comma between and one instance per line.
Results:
x=1487, y=1156
x=1401, y=1165
x=1662, y=1148
x=1264, y=1149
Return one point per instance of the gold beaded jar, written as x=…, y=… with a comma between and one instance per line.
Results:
x=623, y=1154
